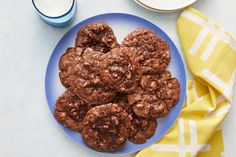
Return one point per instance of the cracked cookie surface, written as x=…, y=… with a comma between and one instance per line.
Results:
x=71, y=57
x=153, y=53
x=156, y=95
x=118, y=70
x=85, y=79
x=106, y=127
x=142, y=128
x=70, y=110
x=99, y=36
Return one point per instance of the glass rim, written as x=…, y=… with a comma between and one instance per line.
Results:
x=72, y=5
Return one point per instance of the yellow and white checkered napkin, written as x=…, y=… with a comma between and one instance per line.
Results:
x=211, y=57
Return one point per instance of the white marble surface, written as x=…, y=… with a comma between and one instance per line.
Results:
x=26, y=125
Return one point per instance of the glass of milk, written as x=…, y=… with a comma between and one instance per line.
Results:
x=58, y=13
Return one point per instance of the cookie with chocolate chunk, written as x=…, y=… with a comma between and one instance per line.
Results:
x=118, y=70
x=168, y=88
x=153, y=53
x=98, y=35
x=67, y=60
x=70, y=110
x=121, y=99
x=147, y=104
x=142, y=128
x=106, y=127
x=170, y=93
x=85, y=79
x=156, y=95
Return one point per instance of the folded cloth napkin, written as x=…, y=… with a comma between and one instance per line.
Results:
x=211, y=56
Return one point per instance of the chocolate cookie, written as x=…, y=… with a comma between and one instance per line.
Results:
x=106, y=127
x=70, y=110
x=121, y=99
x=168, y=88
x=153, y=53
x=98, y=36
x=147, y=104
x=85, y=79
x=118, y=70
x=155, y=96
x=68, y=59
x=170, y=93
x=141, y=128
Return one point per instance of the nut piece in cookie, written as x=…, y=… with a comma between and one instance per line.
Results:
x=98, y=36
x=106, y=127
x=70, y=110
x=85, y=79
x=67, y=60
x=153, y=53
x=118, y=70
x=156, y=95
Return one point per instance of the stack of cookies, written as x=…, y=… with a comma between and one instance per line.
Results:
x=115, y=91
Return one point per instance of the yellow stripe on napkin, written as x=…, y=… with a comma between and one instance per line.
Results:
x=211, y=57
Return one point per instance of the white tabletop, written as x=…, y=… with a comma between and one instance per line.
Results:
x=26, y=42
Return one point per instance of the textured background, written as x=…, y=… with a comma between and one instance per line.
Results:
x=26, y=125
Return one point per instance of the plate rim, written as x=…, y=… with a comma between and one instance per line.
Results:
x=155, y=9
x=88, y=19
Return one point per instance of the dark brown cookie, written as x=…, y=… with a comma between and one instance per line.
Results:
x=85, y=79
x=68, y=59
x=153, y=53
x=70, y=110
x=168, y=88
x=121, y=99
x=155, y=96
x=118, y=70
x=98, y=36
x=147, y=104
x=106, y=127
x=141, y=128
x=170, y=92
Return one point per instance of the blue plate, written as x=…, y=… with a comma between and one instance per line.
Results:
x=122, y=24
